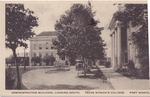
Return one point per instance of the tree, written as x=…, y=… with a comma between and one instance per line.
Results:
x=136, y=15
x=19, y=25
x=79, y=35
x=49, y=58
x=36, y=60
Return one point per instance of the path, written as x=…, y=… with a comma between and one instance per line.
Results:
x=121, y=82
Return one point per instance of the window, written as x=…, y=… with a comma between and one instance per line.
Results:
x=40, y=46
x=40, y=54
x=46, y=45
x=46, y=54
x=52, y=47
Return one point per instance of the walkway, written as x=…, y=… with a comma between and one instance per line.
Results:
x=43, y=79
x=120, y=82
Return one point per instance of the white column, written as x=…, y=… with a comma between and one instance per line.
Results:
x=112, y=50
x=119, y=44
x=30, y=53
x=116, y=61
x=128, y=46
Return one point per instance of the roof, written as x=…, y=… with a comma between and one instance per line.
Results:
x=48, y=33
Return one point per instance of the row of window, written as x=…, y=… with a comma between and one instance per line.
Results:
x=40, y=54
x=40, y=46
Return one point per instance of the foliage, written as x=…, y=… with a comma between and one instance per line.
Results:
x=77, y=37
x=136, y=15
x=131, y=65
x=19, y=24
x=36, y=59
x=10, y=60
x=133, y=13
x=143, y=72
x=49, y=58
x=9, y=79
x=108, y=65
x=72, y=60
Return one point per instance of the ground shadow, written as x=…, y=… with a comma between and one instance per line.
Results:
x=62, y=87
x=57, y=71
x=91, y=74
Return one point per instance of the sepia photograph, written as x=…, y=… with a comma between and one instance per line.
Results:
x=76, y=45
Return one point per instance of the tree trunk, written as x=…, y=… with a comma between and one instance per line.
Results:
x=17, y=69
x=24, y=63
x=84, y=67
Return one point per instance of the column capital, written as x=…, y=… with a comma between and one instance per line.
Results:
x=119, y=25
x=112, y=33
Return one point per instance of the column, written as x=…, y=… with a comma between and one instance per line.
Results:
x=30, y=54
x=119, y=43
x=116, y=61
x=128, y=46
x=112, y=50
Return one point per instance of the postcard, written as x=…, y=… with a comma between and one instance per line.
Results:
x=74, y=48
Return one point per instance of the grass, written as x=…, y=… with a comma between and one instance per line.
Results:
x=22, y=71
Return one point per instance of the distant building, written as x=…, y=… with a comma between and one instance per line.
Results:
x=42, y=45
x=122, y=49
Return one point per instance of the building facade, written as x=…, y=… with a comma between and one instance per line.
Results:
x=41, y=45
x=122, y=48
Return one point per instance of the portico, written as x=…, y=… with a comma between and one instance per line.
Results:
x=116, y=43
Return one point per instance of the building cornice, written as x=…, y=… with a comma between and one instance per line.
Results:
x=112, y=23
x=43, y=38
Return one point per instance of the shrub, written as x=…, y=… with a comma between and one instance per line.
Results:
x=49, y=58
x=143, y=71
x=108, y=65
x=36, y=60
x=129, y=73
x=131, y=65
x=9, y=77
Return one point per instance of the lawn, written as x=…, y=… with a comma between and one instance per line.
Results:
x=12, y=69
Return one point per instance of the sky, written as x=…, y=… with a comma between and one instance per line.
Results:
x=49, y=11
